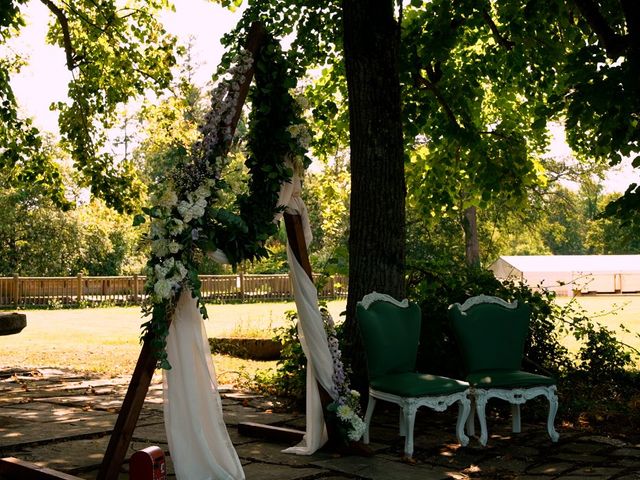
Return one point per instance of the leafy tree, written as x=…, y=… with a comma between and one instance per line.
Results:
x=326, y=194
x=115, y=52
x=610, y=235
x=169, y=124
x=39, y=239
x=36, y=238
x=370, y=35
x=107, y=244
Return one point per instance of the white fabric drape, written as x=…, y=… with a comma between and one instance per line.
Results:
x=198, y=439
x=313, y=337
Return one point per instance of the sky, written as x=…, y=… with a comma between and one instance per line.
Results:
x=45, y=79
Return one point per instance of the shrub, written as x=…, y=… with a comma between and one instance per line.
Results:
x=289, y=380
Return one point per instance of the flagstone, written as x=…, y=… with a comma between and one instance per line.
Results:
x=272, y=453
x=260, y=471
x=594, y=472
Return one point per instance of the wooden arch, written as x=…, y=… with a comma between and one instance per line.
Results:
x=146, y=365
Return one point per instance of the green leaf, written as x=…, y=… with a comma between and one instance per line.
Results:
x=139, y=219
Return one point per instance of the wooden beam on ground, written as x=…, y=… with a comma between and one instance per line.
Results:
x=141, y=379
x=270, y=432
x=14, y=469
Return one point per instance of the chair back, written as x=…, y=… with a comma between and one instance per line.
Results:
x=390, y=333
x=491, y=333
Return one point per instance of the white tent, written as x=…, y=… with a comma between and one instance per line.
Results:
x=568, y=274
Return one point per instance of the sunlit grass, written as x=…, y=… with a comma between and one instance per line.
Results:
x=106, y=340
x=611, y=311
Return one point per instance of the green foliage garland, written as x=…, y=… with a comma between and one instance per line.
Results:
x=186, y=220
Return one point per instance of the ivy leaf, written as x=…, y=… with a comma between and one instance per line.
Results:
x=139, y=219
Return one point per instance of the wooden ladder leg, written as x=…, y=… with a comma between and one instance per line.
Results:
x=129, y=413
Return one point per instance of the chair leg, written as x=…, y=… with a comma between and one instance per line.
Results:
x=464, y=408
x=402, y=422
x=471, y=420
x=553, y=409
x=367, y=418
x=481, y=403
x=515, y=418
x=409, y=421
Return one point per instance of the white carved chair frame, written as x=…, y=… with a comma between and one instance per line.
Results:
x=410, y=405
x=515, y=396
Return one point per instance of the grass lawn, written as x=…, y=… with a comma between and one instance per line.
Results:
x=611, y=311
x=106, y=340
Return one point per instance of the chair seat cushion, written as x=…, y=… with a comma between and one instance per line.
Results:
x=508, y=379
x=417, y=384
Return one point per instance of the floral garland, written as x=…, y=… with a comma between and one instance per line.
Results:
x=345, y=410
x=186, y=220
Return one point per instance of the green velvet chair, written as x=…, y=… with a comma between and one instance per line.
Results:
x=390, y=332
x=491, y=334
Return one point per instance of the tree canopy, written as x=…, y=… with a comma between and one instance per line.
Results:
x=115, y=53
x=480, y=81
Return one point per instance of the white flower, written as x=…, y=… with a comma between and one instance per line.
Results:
x=160, y=247
x=162, y=269
x=189, y=210
x=203, y=191
x=174, y=247
x=345, y=412
x=357, y=428
x=158, y=229
x=168, y=199
x=181, y=273
x=163, y=288
x=175, y=227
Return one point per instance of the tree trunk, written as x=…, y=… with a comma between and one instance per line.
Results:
x=377, y=215
x=471, y=242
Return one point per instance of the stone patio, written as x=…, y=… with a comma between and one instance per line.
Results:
x=63, y=421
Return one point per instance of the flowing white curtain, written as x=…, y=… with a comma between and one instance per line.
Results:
x=313, y=337
x=198, y=439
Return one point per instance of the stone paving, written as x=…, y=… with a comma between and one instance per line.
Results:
x=63, y=421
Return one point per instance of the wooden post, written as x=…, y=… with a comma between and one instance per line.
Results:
x=79, y=289
x=241, y=285
x=295, y=236
x=141, y=378
x=136, y=292
x=129, y=413
x=16, y=290
x=12, y=468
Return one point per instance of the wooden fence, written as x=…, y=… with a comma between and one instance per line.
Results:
x=24, y=292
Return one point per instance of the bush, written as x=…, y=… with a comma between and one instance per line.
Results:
x=288, y=382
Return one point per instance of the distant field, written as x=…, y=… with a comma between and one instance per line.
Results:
x=105, y=340
x=611, y=311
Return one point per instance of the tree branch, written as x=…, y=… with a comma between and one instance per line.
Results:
x=501, y=39
x=66, y=36
x=423, y=82
x=83, y=17
x=613, y=43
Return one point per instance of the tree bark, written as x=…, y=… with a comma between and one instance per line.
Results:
x=377, y=214
x=471, y=241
